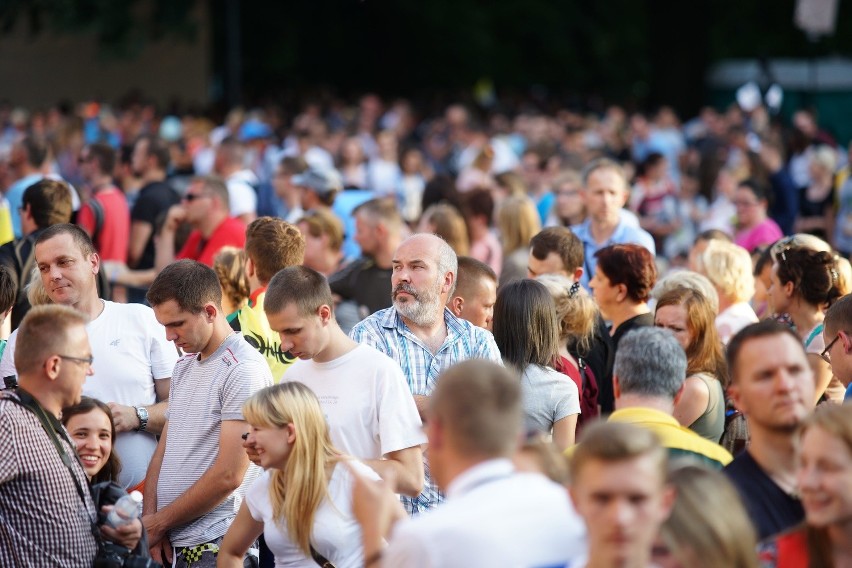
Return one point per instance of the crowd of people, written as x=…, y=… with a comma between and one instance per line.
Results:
x=362, y=336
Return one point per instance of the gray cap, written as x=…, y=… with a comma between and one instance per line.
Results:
x=322, y=181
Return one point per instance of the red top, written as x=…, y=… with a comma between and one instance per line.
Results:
x=230, y=232
x=114, y=237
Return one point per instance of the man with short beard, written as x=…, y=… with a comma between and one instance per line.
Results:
x=420, y=333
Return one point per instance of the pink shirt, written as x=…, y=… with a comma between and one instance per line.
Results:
x=764, y=234
x=489, y=251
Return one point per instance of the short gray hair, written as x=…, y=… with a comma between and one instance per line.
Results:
x=447, y=262
x=650, y=362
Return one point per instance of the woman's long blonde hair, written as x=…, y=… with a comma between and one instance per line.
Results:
x=296, y=491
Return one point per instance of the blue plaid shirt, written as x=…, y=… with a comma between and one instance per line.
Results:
x=386, y=331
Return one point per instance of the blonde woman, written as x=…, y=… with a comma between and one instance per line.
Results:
x=302, y=503
x=518, y=222
x=230, y=267
x=729, y=268
x=702, y=532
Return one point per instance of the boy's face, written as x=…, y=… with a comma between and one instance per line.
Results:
x=623, y=504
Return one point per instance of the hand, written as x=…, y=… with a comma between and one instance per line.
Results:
x=251, y=452
x=124, y=417
x=771, y=158
x=374, y=504
x=156, y=532
x=127, y=535
x=161, y=551
x=114, y=270
x=175, y=216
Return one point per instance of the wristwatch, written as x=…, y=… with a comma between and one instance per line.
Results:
x=142, y=415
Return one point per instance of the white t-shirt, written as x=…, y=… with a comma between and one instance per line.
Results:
x=336, y=534
x=130, y=352
x=366, y=402
x=734, y=318
x=241, y=194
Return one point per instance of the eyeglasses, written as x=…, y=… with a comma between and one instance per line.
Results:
x=194, y=196
x=826, y=356
x=82, y=360
x=741, y=203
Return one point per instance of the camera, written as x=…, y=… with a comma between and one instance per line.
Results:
x=111, y=555
x=116, y=556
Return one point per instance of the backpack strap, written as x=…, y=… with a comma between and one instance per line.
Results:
x=98, y=214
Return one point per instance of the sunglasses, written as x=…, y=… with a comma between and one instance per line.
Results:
x=193, y=196
x=825, y=355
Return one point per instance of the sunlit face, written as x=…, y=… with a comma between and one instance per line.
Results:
x=478, y=307
x=825, y=478
x=190, y=332
x=604, y=292
x=197, y=203
x=139, y=158
x=92, y=434
x=674, y=319
x=569, y=201
x=605, y=194
x=273, y=444
x=303, y=336
x=551, y=264
x=779, y=294
x=67, y=274
x=623, y=504
x=773, y=383
x=365, y=235
x=750, y=210
x=316, y=248
x=416, y=284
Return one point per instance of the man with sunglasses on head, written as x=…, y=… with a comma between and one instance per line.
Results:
x=838, y=341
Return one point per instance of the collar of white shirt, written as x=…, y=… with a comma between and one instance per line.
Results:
x=480, y=474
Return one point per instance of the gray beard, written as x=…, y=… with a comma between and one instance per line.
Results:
x=422, y=311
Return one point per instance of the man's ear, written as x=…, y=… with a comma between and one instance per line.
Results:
x=249, y=267
x=456, y=305
x=616, y=387
x=210, y=312
x=578, y=273
x=324, y=313
x=734, y=395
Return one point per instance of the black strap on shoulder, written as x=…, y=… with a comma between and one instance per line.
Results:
x=52, y=427
x=320, y=559
x=98, y=214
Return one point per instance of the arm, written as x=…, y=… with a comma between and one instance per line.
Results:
x=376, y=509
x=240, y=536
x=693, y=402
x=563, y=432
x=125, y=417
x=407, y=466
x=140, y=233
x=164, y=244
x=422, y=403
x=224, y=476
x=160, y=547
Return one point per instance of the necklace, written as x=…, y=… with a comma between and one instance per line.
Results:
x=220, y=345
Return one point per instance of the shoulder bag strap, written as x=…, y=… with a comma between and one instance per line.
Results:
x=320, y=559
x=27, y=401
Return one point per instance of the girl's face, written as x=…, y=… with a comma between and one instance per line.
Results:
x=273, y=444
x=779, y=295
x=92, y=433
x=673, y=318
x=825, y=478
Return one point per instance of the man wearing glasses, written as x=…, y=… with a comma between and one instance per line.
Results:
x=39, y=468
x=135, y=361
x=838, y=341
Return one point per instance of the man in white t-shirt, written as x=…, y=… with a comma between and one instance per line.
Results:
x=363, y=392
x=133, y=361
x=241, y=181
